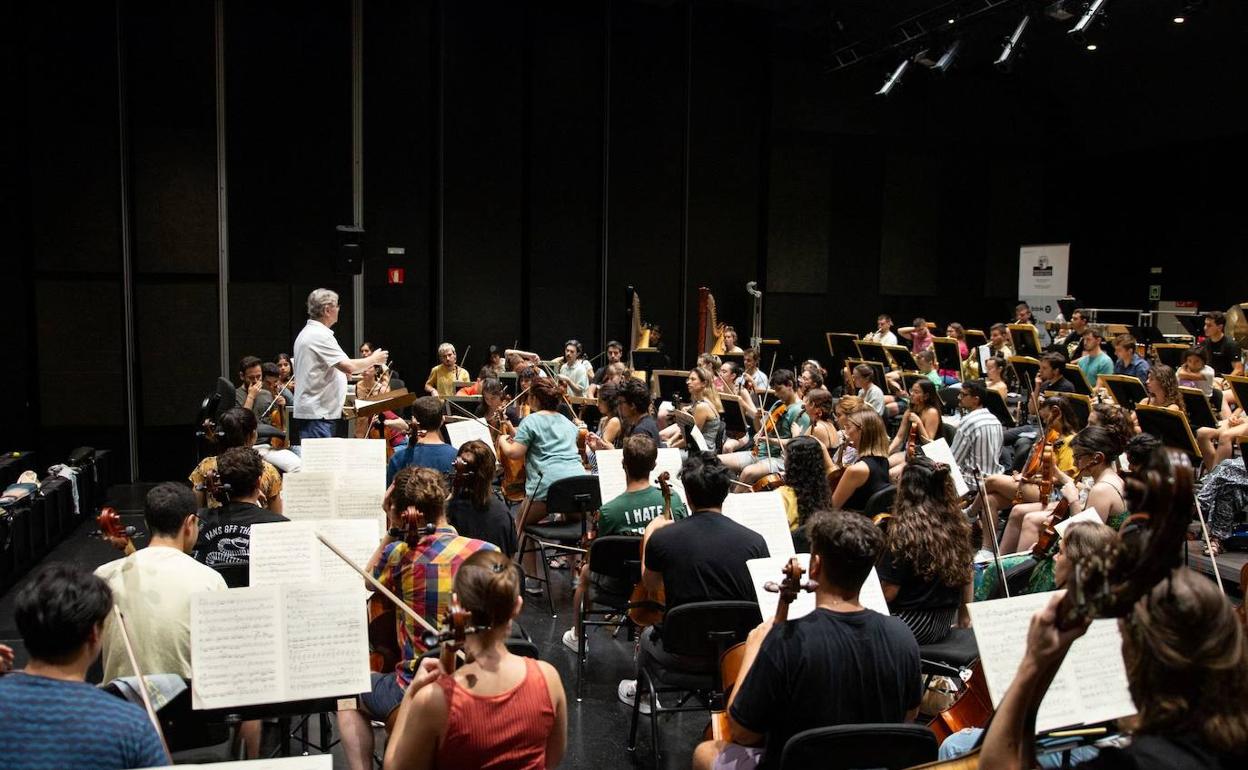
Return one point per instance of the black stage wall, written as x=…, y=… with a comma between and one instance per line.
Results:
x=532, y=159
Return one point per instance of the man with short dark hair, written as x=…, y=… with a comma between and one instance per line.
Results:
x=153, y=587
x=883, y=333
x=225, y=532
x=769, y=457
x=1222, y=352
x=999, y=341
x=633, y=409
x=1129, y=362
x=615, y=353
x=840, y=664
x=251, y=394
x=52, y=718
x=978, y=439
x=425, y=449
x=1093, y=363
x=1074, y=341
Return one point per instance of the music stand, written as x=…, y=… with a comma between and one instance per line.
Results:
x=975, y=338
x=877, y=370
x=468, y=403
x=1126, y=390
x=1193, y=323
x=1026, y=340
x=1239, y=386
x=1074, y=375
x=902, y=358
x=648, y=359
x=1080, y=404
x=1148, y=335
x=1027, y=368
x=949, y=398
x=842, y=347
x=733, y=416
x=909, y=378
x=391, y=401
x=873, y=351
x=1170, y=353
x=664, y=383
x=1169, y=426
x=995, y=404
x=509, y=381
x=948, y=357
x=1200, y=412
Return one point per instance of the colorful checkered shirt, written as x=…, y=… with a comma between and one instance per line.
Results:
x=422, y=576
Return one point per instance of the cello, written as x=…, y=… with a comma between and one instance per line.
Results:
x=646, y=608
x=112, y=530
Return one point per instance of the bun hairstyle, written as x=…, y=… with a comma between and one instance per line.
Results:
x=546, y=392
x=488, y=584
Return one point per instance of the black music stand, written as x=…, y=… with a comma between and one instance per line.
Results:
x=648, y=359
x=1026, y=368
x=842, y=347
x=738, y=358
x=1126, y=390
x=949, y=398
x=1026, y=340
x=1193, y=323
x=1074, y=375
x=975, y=338
x=666, y=383
x=1200, y=412
x=509, y=380
x=909, y=378
x=1239, y=386
x=873, y=351
x=996, y=404
x=1082, y=405
x=902, y=357
x=1169, y=426
x=1170, y=353
x=948, y=357
x=1149, y=335
x=734, y=418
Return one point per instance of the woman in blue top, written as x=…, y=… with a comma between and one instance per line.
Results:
x=547, y=442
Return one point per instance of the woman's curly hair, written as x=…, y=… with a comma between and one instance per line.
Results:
x=805, y=472
x=928, y=529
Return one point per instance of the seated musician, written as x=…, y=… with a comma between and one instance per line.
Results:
x=977, y=441
x=474, y=389
x=225, y=532
x=1056, y=417
x=868, y=473
x=493, y=398
x=700, y=558
x=1017, y=441
x=519, y=360
x=628, y=514
x=957, y=331
x=373, y=385
x=820, y=409
x=251, y=393
x=237, y=428
x=994, y=376
x=810, y=378
x=286, y=371
x=615, y=355
x=573, y=370
x=633, y=408
x=366, y=349
x=1217, y=444
x=1127, y=361
x=501, y=710
x=608, y=434
x=805, y=490
x=272, y=374
x=868, y=390
x=52, y=717
x=702, y=413
x=752, y=378
x=613, y=375
x=1023, y=314
x=770, y=433
x=895, y=402
x=726, y=378
x=843, y=452
x=883, y=333
x=919, y=336
x=1072, y=345
x=426, y=449
x=1196, y=371
x=709, y=362
x=999, y=341
x=442, y=378
x=840, y=664
x=1093, y=363
x=1163, y=390
x=153, y=587
x=1187, y=669
x=419, y=569
x=925, y=570
x=494, y=360
x=1222, y=352
x=547, y=441
x=730, y=341
x=923, y=416
x=475, y=509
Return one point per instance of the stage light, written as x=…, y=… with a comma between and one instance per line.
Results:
x=1091, y=46
x=894, y=78
x=1062, y=10
x=943, y=62
x=1180, y=19
x=1094, y=11
x=1006, y=60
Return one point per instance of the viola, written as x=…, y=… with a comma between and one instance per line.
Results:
x=117, y=534
x=1048, y=533
x=513, y=481
x=769, y=425
x=769, y=482
x=912, y=443
x=456, y=626
x=213, y=487
x=646, y=608
x=1035, y=463
x=973, y=708
x=277, y=418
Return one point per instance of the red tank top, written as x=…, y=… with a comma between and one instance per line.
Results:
x=508, y=730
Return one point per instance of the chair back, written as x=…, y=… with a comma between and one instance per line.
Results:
x=893, y=746
x=947, y=432
x=881, y=501
x=236, y=575
x=616, y=556
x=522, y=647
x=575, y=494
x=705, y=629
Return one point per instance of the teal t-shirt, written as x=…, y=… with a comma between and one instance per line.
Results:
x=629, y=513
x=552, y=453
x=794, y=417
x=1095, y=366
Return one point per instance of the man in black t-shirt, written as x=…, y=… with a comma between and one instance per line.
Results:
x=1222, y=352
x=634, y=410
x=225, y=532
x=841, y=664
x=700, y=558
x=615, y=353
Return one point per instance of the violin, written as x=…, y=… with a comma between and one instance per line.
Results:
x=1048, y=533
x=213, y=487
x=769, y=482
x=769, y=425
x=912, y=442
x=1035, y=465
x=513, y=481
x=456, y=626
x=277, y=418
x=730, y=661
x=111, y=529
x=973, y=707
x=645, y=608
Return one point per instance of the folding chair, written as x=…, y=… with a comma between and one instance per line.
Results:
x=614, y=568
x=844, y=747
x=575, y=494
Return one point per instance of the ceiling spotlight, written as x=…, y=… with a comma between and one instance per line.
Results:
x=1091, y=46
x=943, y=62
x=1180, y=19
x=1094, y=10
x=894, y=78
x=1006, y=60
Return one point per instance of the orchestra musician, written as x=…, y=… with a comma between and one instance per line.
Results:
x=821, y=411
x=1093, y=363
x=1057, y=418
x=868, y=390
x=499, y=710
x=427, y=449
x=475, y=509
x=251, y=393
x=1163, y=390
x=730, y=341
x=442, y=378
x=999, y=341
x=1222, y=352
x=419, y=568
x=615, y=354
x=225, y=531
x=474, y=389
x=632, y=405
x=883, y=333
x=805, y=489
x=1072, y=346
x=810, y=378
x=726, y=378
x=994, y=376
x=573, y=369
x=493, y=399
x=977, y=443
x=374, y=384
x=868, y=473
x=285, y=371
x=754, y=379
x=918, y=334
x=321, y=368
x=702, y=413
x=1023, y=314
x=771, y=430
x=840, y=664
x=52, y=717
x=494, y=360
x=237, y=428
x=1127, y=361
x=1196, y=371
x=922, y=415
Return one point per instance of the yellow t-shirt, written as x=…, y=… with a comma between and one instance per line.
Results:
x=443, y=379
x=1063, y=455
x=270, y=479
x=789, y=496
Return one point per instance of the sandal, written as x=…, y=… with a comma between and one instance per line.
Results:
x=558, y=562
x=1213, y=548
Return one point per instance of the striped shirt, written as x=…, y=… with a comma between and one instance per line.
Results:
x=422, y=576
x=978, y=442
x=52, y=723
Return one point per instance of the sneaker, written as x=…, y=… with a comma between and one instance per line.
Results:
x=628, y=693
x=571, y=642
x=532, y=587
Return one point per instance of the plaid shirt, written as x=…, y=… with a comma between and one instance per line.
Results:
x=422, y=576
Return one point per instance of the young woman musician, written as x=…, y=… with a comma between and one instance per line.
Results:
x=475, y=510
x=805, y=489
x=286, y=371
x=1094, y=449
x=236, y=428
x=374, y=384
x=703, y=413
x=958, y=332
x=1057, y=419
x=821, y=408
x=994, y=375
x=869, y=472
x=1163, y=389
x=925, y=570
x=924, y=415
x=500, y=710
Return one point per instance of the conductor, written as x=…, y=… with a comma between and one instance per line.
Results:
x=321, y=368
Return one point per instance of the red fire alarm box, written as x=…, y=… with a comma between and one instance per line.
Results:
x=394, y=276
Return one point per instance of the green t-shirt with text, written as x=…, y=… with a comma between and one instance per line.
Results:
x=629, y=513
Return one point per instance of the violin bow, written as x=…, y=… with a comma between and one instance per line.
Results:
x=472, y=416
x=1217, y=573
x=375, y=583
x=134, y=664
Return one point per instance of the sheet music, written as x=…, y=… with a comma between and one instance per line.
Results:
x=1091, y=685
x=363, y=458
x=762, y=571
x=309, y=495
x=322, y=454
x=1087, y=515
x=273, y=644
x=699, y=440
x=763, y=512
x=612, y=482
x=236, y=644
x=467, y=430
x=356, y=498
x=939, y=451
x=288, y=551
x=310, y=762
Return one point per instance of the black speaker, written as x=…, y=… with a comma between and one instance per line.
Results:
x=349, y=258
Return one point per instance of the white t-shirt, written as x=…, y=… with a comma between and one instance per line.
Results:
x=320, y=388
x=887, y=338
x=153, y=587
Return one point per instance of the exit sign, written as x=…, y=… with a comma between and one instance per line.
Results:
x=394, y=276
x=1154, y=292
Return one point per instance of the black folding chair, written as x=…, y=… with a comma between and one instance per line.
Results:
x=614, y=568
x=573, y=495
x=845, y=747
x=881, y=501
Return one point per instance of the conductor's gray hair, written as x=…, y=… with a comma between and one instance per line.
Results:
x=319, y=301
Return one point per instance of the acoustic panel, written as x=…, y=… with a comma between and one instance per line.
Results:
x=81, y=353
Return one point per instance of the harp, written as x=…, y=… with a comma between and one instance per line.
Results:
x=710, y=330
x=638, y=330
